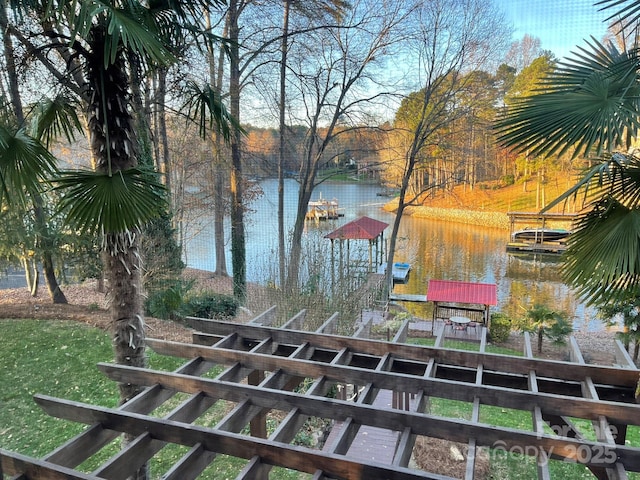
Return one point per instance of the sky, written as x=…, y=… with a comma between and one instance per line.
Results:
x=561, y=25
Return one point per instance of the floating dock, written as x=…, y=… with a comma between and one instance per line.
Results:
x=322, y=209
x=540, y=247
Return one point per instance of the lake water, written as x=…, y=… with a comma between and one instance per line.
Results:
x=437, y=250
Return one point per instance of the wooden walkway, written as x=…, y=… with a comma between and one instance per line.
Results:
x=373, y=444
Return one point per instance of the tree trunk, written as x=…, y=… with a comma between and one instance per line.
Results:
x=295, y=255
x=123, y=275
x=43, y=235
x=46, y=247
x=218, y=166
x=218, y=216
x=30, y=275
x=238, y=248
x=540, y=338
x=10, y=65
x=281, y=151
x=113, y=146
x=165, y=161
x=53, y=287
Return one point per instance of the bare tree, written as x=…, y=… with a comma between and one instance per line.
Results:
x=451, y=38
x=523, y=52
x=334, y=76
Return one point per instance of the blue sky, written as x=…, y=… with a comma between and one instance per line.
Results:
x=559, y=24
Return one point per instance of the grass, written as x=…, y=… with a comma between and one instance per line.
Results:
x=53, y=358
x=59, y=358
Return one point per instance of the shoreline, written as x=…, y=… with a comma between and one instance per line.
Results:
x=498, y=220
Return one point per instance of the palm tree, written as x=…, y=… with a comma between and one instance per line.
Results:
x=96, y=40
x=590, y=106
x=546, y=322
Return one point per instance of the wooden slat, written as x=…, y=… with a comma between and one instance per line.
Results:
x=191, y=465
x=330, y=408
x=76, y=450
x=601, y=426
x=491, y=361
x=287, y=456
x=542, y=460
x=475, y=414
x=141, y=449
x=497, y=396
x=16, y=464
x=296, y=322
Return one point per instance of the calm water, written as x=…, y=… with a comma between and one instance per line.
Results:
x=437, y=250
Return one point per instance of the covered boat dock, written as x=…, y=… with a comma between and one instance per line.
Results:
x=536, y=232
x=364, y=228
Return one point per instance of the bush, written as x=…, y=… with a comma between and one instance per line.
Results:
x=500, y=328
x=507, y=180
x=169, y=303
x=211, y=305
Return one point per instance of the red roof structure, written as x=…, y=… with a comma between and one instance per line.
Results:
x=451, y=291
x=364, y=228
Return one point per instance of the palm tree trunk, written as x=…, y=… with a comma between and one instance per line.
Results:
x=112, y=135
x=540, y=338
x=123, y=271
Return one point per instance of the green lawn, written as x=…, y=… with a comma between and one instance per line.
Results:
x=59, y=358
x=52, y=358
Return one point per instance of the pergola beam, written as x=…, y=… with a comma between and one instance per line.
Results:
x=628, y=413
x=275, y=453
x=496, y=362
x=456, y=430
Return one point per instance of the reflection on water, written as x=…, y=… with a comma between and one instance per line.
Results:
x=435, y=249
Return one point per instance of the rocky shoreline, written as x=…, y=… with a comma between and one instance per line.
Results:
x=470, y=217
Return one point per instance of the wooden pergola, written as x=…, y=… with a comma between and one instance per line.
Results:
x=265, y=367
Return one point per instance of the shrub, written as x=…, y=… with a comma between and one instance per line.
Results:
x=507, y=180
x=211, y=305
x=169, y=303
x=500, y=327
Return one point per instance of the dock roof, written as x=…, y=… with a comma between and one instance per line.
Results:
x=462, y=292
x=364, y=228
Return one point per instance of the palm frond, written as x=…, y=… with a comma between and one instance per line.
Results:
x=131, y=29
x=55, y=118
x=628, y=14
x=127, y=25
x=616, y=175
x=25, y=164
x=95, y=202
x=186, y=10
x=590, y=103
x=204, y=106
x=602, y=260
